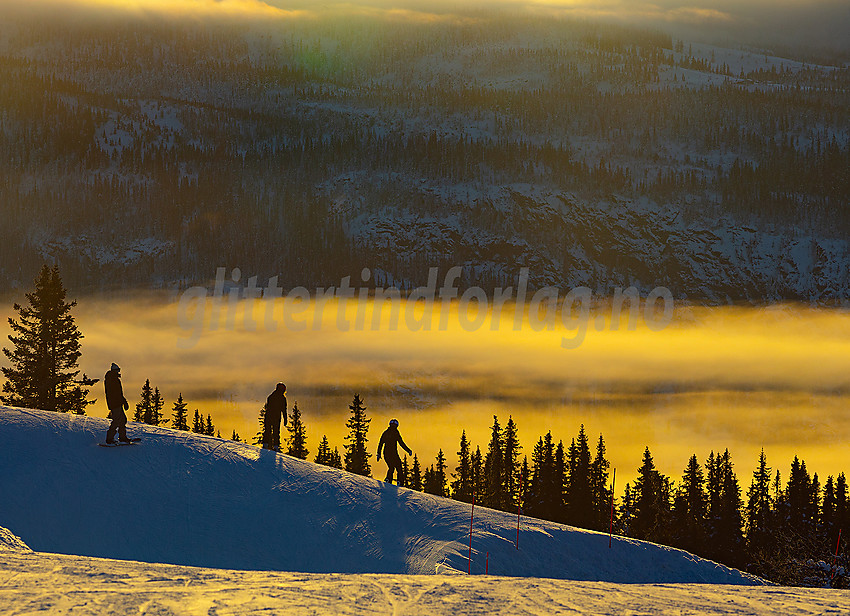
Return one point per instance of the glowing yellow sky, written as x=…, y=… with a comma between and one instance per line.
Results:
x=742, y=378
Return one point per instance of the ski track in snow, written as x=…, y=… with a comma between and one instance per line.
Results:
x=35, y=583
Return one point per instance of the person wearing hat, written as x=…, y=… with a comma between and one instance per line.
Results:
x=117, y=404
x=275, y=410
x=389, y=441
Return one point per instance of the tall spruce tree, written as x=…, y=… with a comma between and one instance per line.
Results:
x=209, y=427
x=476, y=471
x=651, y=502
x=759, y=514
x=689, y=509
x=415, y=475
x=510, y=470
x=198, y=423
x=157, y=404
x=179, y=415
x=543, y=500
x=323, y=453
x=45, y=351
x=356, y=454
x=297, y=447
x=494, y=495
x=440, y=474
x=144, y=408
x=429, y=483
x=725, y=541
x=600, y=492
x=462, y=485
x=560, y=482
x=336, y=459
x=579, y=494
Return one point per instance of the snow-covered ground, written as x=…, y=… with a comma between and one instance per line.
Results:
x=186, y=499
x=309, y=540
x=34, y=583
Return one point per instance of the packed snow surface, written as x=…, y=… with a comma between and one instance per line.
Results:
x=57, y=584
x=185, y=499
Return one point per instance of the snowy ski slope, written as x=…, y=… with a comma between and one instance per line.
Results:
x=185, y=499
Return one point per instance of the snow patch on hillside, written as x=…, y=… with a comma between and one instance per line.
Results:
x=10, y=542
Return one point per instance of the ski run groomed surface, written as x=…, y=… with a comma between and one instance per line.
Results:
x=186, y=499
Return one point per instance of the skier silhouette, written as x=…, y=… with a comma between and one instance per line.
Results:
x=275, y=409
x=117, y=404
x=389, y=439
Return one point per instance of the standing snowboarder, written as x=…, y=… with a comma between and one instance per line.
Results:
x=275, y=410
x=389, y=441
x=117, y=404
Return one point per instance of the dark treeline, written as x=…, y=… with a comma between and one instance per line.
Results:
x=224, y=146
x=785, y=531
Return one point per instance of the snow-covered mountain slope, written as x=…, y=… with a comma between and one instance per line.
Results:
x=191, y=500
x=58, y=584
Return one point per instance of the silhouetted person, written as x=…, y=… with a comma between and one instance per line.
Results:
x=389, y=441
x=117, y=404
x=275, y=409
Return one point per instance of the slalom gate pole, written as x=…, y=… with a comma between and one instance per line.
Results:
x=487, y=564
x=519, y=509
x=611, y=525
x=471, y=516
x=835, y=558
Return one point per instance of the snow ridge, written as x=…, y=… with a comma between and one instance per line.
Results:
x=186, y=499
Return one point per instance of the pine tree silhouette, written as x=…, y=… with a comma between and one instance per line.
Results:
x=209, y=428
x=579, y=494
x=494, y=493
x=651, y=502
x=759, y=515
x=415, y=475
x=336, y=460
x=45, y=351
x=510, y=470
x=323, y=453
x=198, y=426
x=476, y=467
x=297, y=435
x=356, y=455
x=440, y=475
x=157, y=404
x=144, y=408
x=462, y=485
x=179, y=415
x=688, y=516
x=601, y=517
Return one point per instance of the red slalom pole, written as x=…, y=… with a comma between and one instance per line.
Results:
x=835, y=558
x=471, y=516
x=487, y=564
x=611, y=525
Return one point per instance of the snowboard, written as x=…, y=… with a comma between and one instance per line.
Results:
x=133, y=441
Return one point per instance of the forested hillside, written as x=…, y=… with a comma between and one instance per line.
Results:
x=145, y=152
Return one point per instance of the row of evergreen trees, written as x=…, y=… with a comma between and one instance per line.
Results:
x=778, y=532
x=149, y=410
